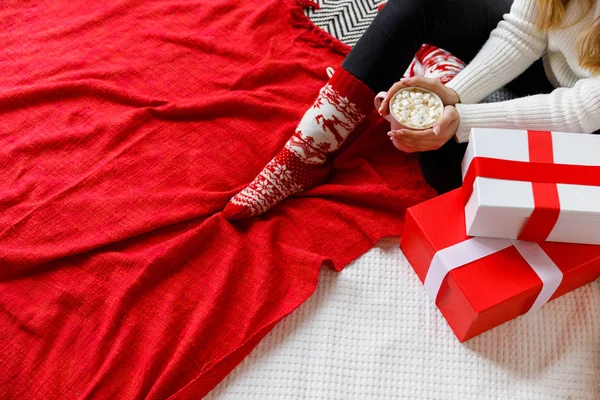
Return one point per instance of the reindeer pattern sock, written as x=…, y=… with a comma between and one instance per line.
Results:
x=342, y=104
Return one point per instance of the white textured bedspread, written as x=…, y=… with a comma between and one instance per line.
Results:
x=371, y=332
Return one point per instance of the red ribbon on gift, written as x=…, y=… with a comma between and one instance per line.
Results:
x=544, y=175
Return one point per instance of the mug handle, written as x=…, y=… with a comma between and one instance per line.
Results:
x=378, y=100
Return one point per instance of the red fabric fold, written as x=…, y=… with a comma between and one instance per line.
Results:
x=125, y=127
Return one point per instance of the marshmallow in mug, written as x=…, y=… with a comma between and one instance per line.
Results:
x=416, y=108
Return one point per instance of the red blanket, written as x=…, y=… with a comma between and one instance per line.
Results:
x=125, y=126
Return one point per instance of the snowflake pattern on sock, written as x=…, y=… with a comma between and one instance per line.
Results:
x=300, y=164
x=283, y=176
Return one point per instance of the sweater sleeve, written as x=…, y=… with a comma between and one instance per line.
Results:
x=575, y=109
x=512, y=47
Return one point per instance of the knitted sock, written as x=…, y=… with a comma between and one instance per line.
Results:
x=439, y=64
x=436, y=63
x=342, y=104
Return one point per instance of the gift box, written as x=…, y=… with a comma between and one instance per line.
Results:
x=480, y=283
x=533, y=185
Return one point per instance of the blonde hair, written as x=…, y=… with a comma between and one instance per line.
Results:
x=553, y=13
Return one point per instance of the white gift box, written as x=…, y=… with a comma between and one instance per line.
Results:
x=510, y=173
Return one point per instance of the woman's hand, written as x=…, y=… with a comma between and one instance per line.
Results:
x=448, y=96
x=444, y=129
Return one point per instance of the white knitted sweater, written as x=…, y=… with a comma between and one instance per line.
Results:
x=513, y=46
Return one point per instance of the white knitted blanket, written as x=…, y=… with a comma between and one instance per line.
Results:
x=371, y=332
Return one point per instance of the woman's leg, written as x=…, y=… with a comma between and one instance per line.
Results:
x=376, y=62
x=386, y=48
x=396, y=34
x=343, y=103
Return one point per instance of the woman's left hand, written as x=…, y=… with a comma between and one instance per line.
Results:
x=411, y=141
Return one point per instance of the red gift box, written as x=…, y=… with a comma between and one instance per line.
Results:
x=506, y=279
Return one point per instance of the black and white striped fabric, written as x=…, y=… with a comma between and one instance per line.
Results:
x=346, y=20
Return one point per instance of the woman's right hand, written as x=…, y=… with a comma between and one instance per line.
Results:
x=449, y=97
